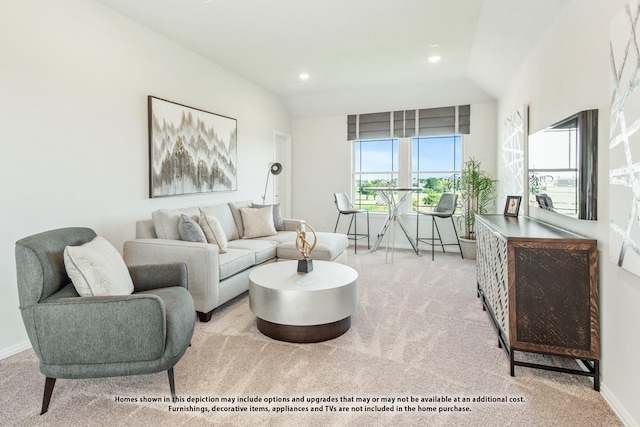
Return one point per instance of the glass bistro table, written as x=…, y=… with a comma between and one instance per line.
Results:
x=393, y=198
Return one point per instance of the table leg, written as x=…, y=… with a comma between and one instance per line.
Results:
x=406, y=233
x=391, y=238
x=393, y=206
x=381, y=234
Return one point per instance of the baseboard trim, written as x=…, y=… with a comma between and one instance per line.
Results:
x=617, y=407
x=15, y=349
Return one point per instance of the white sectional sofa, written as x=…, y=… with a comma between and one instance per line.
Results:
x=217, y=275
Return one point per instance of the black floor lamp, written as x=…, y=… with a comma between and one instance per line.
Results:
x=274, y=169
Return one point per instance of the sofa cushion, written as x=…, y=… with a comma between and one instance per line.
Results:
x=280, y=237
x=237, y=216
x=258, y=222
x=224, y=216
x=190, y=231
x=264, y=250
x=213, y=231
x=97, y=269
x=278, y=222
x=165, y=221
x=145, y=229
x=234, y=261
x=328, y=248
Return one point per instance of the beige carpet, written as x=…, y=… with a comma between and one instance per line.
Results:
x=419, y=334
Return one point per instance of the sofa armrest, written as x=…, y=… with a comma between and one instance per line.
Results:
x=291, y=224
x=201, y=259
x=95, y=330
x=147, y=277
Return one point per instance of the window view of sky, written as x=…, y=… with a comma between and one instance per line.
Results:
x=435, y=163
x=377, y=155
x=436, y=153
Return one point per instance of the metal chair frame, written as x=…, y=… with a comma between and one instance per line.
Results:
x=351, y=210
x=438, y=212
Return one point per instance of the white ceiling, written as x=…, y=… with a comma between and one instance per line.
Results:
x=354, y=45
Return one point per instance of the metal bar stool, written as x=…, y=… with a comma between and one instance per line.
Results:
x=444, y=209
x=345, y=207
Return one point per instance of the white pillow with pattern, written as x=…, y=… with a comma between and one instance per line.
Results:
x=97, y=269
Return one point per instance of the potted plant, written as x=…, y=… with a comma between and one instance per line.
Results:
x=477, y=193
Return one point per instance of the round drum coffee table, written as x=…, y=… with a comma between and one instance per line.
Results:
x=303, y=307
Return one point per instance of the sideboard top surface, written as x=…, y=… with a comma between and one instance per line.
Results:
x=526, y=228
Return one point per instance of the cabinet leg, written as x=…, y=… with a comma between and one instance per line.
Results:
x=512, y=366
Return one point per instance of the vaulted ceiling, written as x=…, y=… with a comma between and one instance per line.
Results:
x=355, y=45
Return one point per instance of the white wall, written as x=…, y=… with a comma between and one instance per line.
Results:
x=322, y=166
x=569, y=72
x=74, y=80
x=454, y=91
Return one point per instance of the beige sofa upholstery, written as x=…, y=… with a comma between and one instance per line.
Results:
x=214, y=277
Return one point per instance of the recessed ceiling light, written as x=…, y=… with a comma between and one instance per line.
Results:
x=434, y=45
x=304, y=76
x=434, y=58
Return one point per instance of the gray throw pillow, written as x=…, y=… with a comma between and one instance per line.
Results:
x=190, y=231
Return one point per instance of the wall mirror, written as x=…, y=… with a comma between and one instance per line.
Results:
x=563, y=166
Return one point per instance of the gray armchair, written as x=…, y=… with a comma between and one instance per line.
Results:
x=92, y=337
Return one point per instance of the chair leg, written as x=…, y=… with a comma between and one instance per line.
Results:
x=457, y=239
x=355, y=233
x=417, y=230
x=49, y=383
x=439, y=235
x=172, y=384
x=336, y=227
x=349, y=233
x=433, y=237
x=368, y=233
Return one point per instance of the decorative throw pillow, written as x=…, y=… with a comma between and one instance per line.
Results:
x=258, y=222
x=190, y=231
x=237, y=216
x=213, y=231
x=166, y=221
x=222, y=212
x=278, y=222
x=97, y=269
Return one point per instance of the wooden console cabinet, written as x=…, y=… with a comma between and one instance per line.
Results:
x=539, y=284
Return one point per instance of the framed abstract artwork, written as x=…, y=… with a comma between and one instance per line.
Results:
x=624, y=142
x=190, y=150
x=511, y=165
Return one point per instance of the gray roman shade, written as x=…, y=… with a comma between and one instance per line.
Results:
x=352, y=127
x=398, y=124
x=408, y=123
x=375, y=125
x=464, y=119
x=404, y=124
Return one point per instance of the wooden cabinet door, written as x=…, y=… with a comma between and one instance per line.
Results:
x=553, y=296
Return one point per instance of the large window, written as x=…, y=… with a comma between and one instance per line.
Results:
x=376, y=165
x=431, y=162
x=435, y=165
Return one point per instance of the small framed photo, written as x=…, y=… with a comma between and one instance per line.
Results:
x=543, y=202
x=512, y=206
